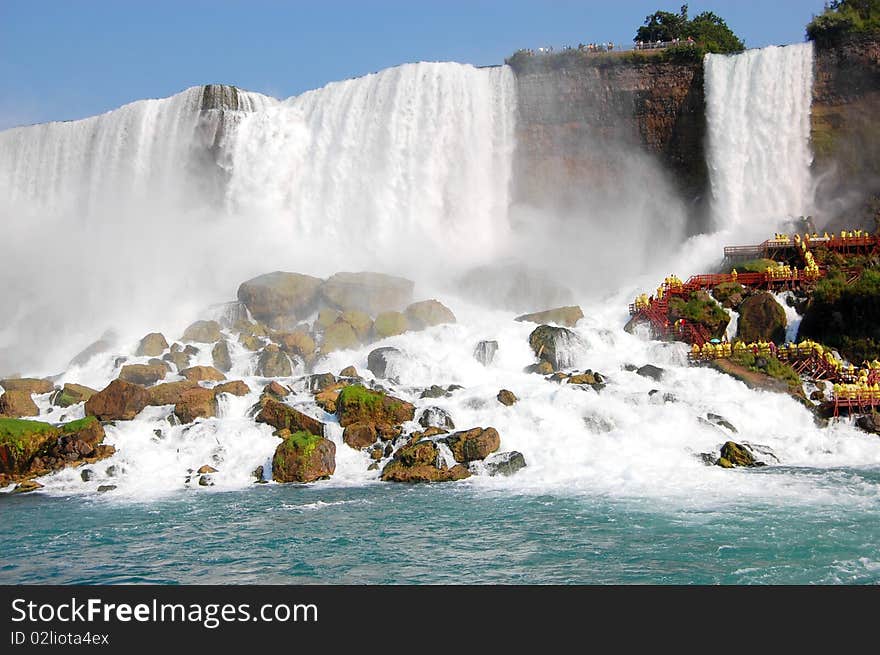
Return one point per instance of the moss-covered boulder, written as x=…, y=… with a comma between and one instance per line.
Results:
x=303, y=457
x=71, y=394
x=421, y=462
x=729, y=294
x=389, y=324
x=143, y=374
x=357, y=404
x=20, y=442
x=699, y=307
x=30, y=385
x=118, y=401
x=220, y=356
x=372, y=293
x=285, y=417
x=339, y=336
x=761, y=318
x=565, y=316
x=474, y=444
x=152, y=345
x=16, y=404
x=428, y=313
x=235, y=388
x=202, y=332
x=200, y=373
x=359, y=321
x=279, y=294
x=169, y=393
x=554, y=345
x=274, y=363
x=734, y=454
x=194, y=403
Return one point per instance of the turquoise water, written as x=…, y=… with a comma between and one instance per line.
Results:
x=439, y=534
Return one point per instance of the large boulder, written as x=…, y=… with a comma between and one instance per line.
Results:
x=235, y=388
x=220, y=356
x=650, y=371
x=359, y=321
x=472, y=445
x=734, y=454
x=180, y=359
x=505, y=463
x=359, y=435
x=199, y=373
x=699, y=307
x=169, y=393
x=30, y=385
x=303, y=457
x=555, y=345
x=428, y=313
x=20, y=442
x=285, y=417
x=372, y=293
x=339, y=336
x=436, y=417
x=761, y=318
x=118, y=401
x=326, y=318
x=485, y=351
x=202, y=332
x=566, y=316
x=143, y=374
x=298, y=342
x=390, y=324
x=16, y=404
x=194, y=403
x=422, y=462
x=357, y=404
x=279, y=295
x=380, y=361
x=152, y=345
x=71, y=394
x=729, y=294
x=273, y=363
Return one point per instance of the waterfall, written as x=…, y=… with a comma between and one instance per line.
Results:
x=758, y=114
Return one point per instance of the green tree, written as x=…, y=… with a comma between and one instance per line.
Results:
x=842, y=18
x=663, y=26
x=708, y=30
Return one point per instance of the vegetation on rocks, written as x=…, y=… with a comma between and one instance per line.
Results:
x=303, y=457
x=699, y=307
x=844, y=18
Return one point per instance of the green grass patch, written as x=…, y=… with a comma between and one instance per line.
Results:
x=774, y=368
x=18, y=433
x=79, y=424
x=753, y=266
x=357, y=394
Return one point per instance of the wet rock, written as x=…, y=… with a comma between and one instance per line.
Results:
x=541, y=368
x=651, y=371
x=26, y=487
x=565, y=316
x=435, y=391
x=298, y=343
x=281, y=416
x=381, y=361
x=303, y=457
x=220, y=356
x=506, y=397
x=436, y=417
x=339, y=336
x=152, y=345
x=273, y=363
x=258, y=474
x=372, y=293
x=112, y=471
x=326, y=318
x=474, y=444
x=734, y=454
x=505, y=463
x=206, y=481
x=202, y=332
x=389, y=324
x=28, y=385
x=20, y=442
x=118, y=401
x=276, y=390
x=16, y=404
x=320, y=381
x=421, y=462
x=143, y=374
x=190, y=350
x=708, y=459
x=87, y=475
x=250, y=342
x=202, y=373
x=359, y=435
x=376, y=453
x=349, y=372
x=196, y=403
x=374, y=466
x=180, y=359
x=326, y=398
x=817, y=396
x=428, y=313
x=869, y=423
x=104, y=488
x=279, y=294
x=169, y=393
x=554, y=345
x=761, y=318
x=206, y=468
x=717, y=419
x=235, y=388
x=485, y=352
x=657, y=397
x=233, y=314
x=356, y=404
x=360, y=322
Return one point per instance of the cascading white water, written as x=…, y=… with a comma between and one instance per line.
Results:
x=758, y=115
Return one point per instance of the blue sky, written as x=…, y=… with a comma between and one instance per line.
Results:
x=66, y=60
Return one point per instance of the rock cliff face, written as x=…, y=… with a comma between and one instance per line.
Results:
x=846, y=131
x=582, y=118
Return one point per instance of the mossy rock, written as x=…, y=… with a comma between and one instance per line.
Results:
x=360, y=322
x=279, y=294
x=303, y=457
x=734, y=454
x=326, y=318
x=284, y=417
x=420, y=462
x=761, y=319
x=357, y=404
x=389, y=324
x=21, y=441
x=729, y=294
x=699, y=307
x=71, y=394
x=339, y=336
